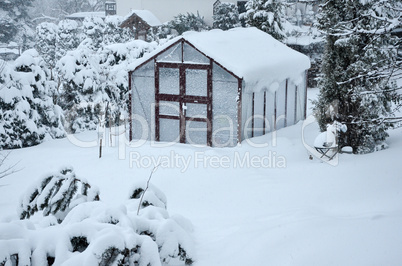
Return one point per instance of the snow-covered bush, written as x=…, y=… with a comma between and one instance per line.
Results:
x=93, y=233
x=57, y=194
x=27, y=110
x=188, y=22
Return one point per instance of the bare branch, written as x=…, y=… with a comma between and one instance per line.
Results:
x=8, y=170
x=146, y=188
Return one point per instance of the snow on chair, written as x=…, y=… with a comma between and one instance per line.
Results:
x=326, y=142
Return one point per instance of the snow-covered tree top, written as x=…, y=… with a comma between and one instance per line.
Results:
x=249, y=53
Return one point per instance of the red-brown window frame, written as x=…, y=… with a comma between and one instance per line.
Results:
x=182, y=98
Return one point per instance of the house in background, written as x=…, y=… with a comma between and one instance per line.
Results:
x=80, y=16
x=217, y=88
x=166, y=10
x=139, y=22
x=110, y=8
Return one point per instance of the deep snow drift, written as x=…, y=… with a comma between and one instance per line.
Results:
x=248, y=205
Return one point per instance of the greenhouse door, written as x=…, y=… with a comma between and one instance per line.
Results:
x=183, y=96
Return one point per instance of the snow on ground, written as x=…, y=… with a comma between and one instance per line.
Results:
x=283, y=210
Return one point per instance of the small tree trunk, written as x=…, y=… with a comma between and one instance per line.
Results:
x=100, y=148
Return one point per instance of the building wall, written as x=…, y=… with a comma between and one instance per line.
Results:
x=165, y=10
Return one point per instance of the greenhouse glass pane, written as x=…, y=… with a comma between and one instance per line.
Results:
x=169, y=81
x=196, y=82
x=169, y=130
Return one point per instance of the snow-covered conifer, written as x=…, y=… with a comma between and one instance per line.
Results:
x=46, y=34
x=359, y=62
x=265, y=15
x=226, y=16
x=82, y=96
x=67, y=37
x=28, y=113
x=93, y=29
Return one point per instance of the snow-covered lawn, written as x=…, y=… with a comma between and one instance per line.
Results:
x=283, y=210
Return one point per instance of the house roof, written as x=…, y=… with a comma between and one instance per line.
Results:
x=82, y=15
x=253, y=55
x=146, y=16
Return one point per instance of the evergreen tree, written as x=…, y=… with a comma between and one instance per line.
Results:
x=82, y=96
x=93, y=29
x=67, y=38
x=358, y=64
x=189, y=22
x=265, y=15
x=15, y=24
x=226, y=16
x=27, y=112
x=46, y=34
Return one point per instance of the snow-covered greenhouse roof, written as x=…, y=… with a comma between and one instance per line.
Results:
x=253, y=55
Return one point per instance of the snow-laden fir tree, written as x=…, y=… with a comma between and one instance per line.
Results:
x=81, y=96
x=67, y=38
x=226, y=16
x=46, y=34
x=359, y=61
x=15, y=24
x=265, y=15
x=27, y=112
x=93, y=29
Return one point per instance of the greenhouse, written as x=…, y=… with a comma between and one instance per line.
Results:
x=217, y=88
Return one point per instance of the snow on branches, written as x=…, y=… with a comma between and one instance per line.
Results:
x=57, y=194
x=359, y=70
x=265, y=15
x=92, y=232
x=28, y=112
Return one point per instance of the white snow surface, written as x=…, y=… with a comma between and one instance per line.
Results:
x=305, y=213
x=249, y=53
